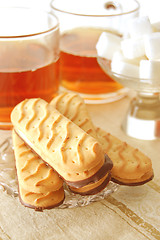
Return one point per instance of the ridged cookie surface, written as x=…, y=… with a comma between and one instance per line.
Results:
x=73, y=153
x=33, y=174
x=40, y=201
x=72, y=106
x=130, y=165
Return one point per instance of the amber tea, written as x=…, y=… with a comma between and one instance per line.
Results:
x=29, y=57
x=79, y=70
x=19, y=80
x=81, y=23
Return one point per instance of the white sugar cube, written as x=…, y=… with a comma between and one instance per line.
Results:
x=150, y=69
x=152, y=46
x=126, y=69
x=118, y=55
x=133, y=48
x=107, y=44
x=140, y=26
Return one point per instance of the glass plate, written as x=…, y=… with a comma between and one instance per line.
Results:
x=8, y=180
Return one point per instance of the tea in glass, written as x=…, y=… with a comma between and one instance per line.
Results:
x=29, y=58
x=79, y=69
x=81, y=24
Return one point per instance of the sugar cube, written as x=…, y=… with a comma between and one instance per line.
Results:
x=150, y=69
x=133, y=47
x=118, y=55
x=123, y=68
x=139, y=26
x=152, y=46
x=107, y=44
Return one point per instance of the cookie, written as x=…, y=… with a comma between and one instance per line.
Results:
x=41, y=201
x=33, y=174
x=74, y=154
x=39, y=186
x=72, y=106
x=130, y=166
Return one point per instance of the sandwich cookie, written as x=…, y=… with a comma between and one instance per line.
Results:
x=40, y=187
x=70, y=151
x=73, y=107
x=130, y=166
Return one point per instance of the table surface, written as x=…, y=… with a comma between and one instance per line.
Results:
x=129, y=213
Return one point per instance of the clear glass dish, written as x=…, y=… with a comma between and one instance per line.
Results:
x=142, y=120
x=8, y=181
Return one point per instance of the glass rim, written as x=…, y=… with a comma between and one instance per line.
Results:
x=96, y=15
x=50, y=29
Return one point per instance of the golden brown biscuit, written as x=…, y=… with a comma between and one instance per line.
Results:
x=40, y=201
x=73, y=153
x=130, y=165
x=39, y=186
x=72, y=106
x=33, y=174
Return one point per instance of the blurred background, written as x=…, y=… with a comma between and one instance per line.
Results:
x=148, y=7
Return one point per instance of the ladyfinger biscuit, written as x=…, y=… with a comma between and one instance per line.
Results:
x=130, y=165
x=73, y=153
x=72, y=106
x=40, y=201
x=33, y=174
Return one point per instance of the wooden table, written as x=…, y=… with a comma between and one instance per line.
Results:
x=131, y=213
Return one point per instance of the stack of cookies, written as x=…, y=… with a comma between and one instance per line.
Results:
x=57, y=142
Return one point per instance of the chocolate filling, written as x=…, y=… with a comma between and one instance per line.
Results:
x=133, y=183
x=97, y=189
x=107, y=166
